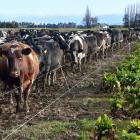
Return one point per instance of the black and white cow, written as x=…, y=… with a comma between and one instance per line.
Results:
x=78, y=51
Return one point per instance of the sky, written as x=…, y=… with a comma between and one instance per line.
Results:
x=55, y=8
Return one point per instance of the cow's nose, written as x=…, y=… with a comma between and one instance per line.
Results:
x=14, y=74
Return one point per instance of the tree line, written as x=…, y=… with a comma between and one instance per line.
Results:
x=132, y=16
x=14, y=24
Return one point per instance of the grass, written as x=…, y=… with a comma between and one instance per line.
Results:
x=43, y=130
x=81, y=129
x=96, y=104
x=64, y=29
x=121, y=125
x=60, y=29
x=86, y=84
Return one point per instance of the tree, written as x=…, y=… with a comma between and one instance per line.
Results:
x=132, y=15
x=89, y=20
x=87, y=17
x=94, y=21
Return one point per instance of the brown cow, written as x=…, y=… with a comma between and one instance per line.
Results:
x=20, y=67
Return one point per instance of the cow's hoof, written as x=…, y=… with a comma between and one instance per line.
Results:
x=11, y=102
x=18, y=110
x=26, y=110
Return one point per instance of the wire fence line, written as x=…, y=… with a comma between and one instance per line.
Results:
x=39, y=77
x=43, y=74
x=46, y=107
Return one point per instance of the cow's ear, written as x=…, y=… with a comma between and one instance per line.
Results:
x=80, y=50
x=68, y=51
x=26, y=51
x=3, y=52
x=44, y=51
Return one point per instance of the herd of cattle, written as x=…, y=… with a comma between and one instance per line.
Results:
x=25, y=54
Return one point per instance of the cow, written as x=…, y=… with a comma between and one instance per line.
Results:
x=116, y=38
x=107, y=42
x=51, y=59
x=51, y=51
x=126, y=36
x=3, y=36
x=20, y=68
x=101, y=43
x=78, y=51
x=62, y=43
x=91, y=41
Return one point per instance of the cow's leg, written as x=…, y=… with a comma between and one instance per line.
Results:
x=49, y=79
x=79, y=65
x=26, y=95
x=85, y=60
x=112, y=47
x=95, y=57
x=102, y=54
x=80, y=69
x=89, y=57
x=18, y=97
x=9, y=87
x=45, y=81
x=53, y=77
x=46, y=78
x=11, y=99
x=73, y=67
x=18, y=106
x=28, y=84
x=64, y=59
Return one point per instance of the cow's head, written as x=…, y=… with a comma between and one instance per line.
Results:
x=15, y=59
x=62, y=42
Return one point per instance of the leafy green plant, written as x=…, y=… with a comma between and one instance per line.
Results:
x=133, y=132
x=111, y=81
x=127, y=80
x=117, y=103
x=104, y=127
x=128, y=136
x=133, y=98
x=134, y=127
x=84, y=135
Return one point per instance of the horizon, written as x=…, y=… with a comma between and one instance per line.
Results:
x=108, y=19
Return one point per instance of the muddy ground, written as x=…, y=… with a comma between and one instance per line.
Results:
x=86, y=99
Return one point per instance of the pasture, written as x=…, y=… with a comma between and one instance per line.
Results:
x=69, y=108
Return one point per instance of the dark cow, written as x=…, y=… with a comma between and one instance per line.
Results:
x=51, y=59
x=126, y=36
x=78, y=51
x=116, y=38
x=20, y=68
x=101, y=43
x=51, y=52
x=63, y=43
x=91, y=41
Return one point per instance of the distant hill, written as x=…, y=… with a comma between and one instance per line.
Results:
x=109, y=19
